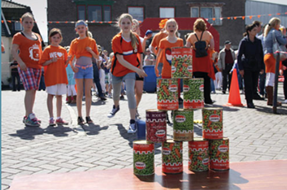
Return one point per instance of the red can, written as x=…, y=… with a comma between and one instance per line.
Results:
x=155, y=125
x=212, y=125
x=172, y=157
x=198, y=155
x=219, y=154
x=167, y=97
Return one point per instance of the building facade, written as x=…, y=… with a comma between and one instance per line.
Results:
x=109, y=10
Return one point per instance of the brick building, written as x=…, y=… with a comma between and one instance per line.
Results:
x=106, y=10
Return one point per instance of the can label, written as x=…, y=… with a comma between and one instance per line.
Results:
x=172, y=157
x=155, y=126
x=143, y=159
x=219, y=154
x=193, y=94
x=167, y=94
x=198, y=155
x=181, y=63
x=212, y=123
x=183, y=125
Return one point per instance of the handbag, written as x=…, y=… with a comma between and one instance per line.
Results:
x=281, y=48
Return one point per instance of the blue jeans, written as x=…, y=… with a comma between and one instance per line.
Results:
x=97, y=80
x=212, y=88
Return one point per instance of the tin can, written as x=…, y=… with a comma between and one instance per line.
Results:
x=155, y=125
x=183, y=125
x=198, y=155
x=172, y=157
x=219, y=154
x=181, y=63
x=193, y=93
x=212, y=127
x=143, y=158
x=167, y=98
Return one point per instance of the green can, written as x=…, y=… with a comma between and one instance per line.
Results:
x=193, y=93
x=219, y=154
x=212, y=125
x=143, y=158
x=198, y=155
x=183, y=125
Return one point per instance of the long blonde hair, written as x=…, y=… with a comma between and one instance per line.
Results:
x=272, y=24
x=134, y=39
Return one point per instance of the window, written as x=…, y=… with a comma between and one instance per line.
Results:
x=207, y=12
x=107, y=13
x=18, y=26
x=95, y=13
x=136, y=12
x=81, y=13
x=166, y=12
x=194, y=12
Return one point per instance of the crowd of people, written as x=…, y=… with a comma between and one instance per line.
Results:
x=82, y=68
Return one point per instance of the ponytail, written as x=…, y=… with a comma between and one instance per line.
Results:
x=272, y=24
x=134, y=41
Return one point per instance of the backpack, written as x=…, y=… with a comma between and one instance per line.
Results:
x=200, y=47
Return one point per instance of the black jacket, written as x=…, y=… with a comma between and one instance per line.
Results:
x=250, y=55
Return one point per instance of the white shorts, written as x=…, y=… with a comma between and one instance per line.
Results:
x=58, y=89
x=270, y=79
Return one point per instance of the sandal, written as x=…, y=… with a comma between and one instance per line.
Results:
x=88, y=120
x=80, y=121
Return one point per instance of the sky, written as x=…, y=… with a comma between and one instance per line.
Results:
x=38, y=8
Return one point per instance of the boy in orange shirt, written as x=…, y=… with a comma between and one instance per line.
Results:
x=55, y=60
x=29, y=45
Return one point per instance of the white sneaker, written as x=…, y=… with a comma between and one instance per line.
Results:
x=114, y=111
x=132, y=128
x=284, y=102
x=110, y=96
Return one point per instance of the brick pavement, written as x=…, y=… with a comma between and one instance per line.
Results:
x=255, y=134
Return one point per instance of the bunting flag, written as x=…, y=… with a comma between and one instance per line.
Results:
x=115, y=22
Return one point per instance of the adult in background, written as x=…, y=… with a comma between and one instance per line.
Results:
x=149, y=58
x=284, y=70
x=202, y=66
x=271, y=31
x=262, y=76
x=226, y=60
x=250, y=61
x=15, y=75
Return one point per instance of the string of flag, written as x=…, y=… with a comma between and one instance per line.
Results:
x=114, y=22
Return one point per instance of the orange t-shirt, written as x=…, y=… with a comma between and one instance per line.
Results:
x=165, y=56
x=122, y=47
x=78, y=47
x=55, y=73
x=157, y=38
x=207, y=36
x=30, y=50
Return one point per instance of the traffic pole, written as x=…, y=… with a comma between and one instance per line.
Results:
x=275, y=89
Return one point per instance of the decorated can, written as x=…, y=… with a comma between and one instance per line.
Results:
x=181, y=63
x=167, y=97
x=212, y=123
x=143, y=158
x=219, y=154
x=198, y=155
x=183, y=125
x=193, y=93
x=155, y=125
x=172, y=157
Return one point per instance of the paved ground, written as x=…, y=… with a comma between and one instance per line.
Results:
x=255, y=134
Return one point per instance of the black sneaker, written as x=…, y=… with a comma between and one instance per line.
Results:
x=122, y=97
x=114, y=111
x=180, y=100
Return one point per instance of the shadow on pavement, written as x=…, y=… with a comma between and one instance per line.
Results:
x=197, y=129
x=93, y=129
x=58, y=131
x=225, y=108
x=282, y=110
x=28, y=133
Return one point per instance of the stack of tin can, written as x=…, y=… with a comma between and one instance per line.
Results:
x=209, y=152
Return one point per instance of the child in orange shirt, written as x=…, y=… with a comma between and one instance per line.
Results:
x=29, y=45
x=55, y=60
x=84, y=48
x=126, y=45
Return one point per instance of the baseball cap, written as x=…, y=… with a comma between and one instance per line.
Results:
x=227, y=42
x=148, y=32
